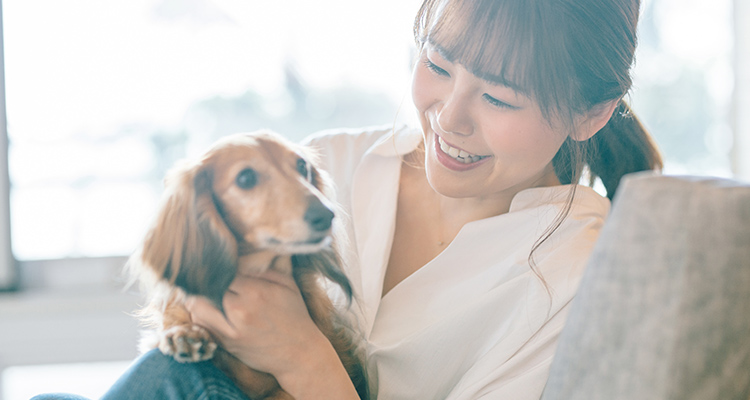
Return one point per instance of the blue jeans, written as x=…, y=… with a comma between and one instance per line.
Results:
x=156, y=376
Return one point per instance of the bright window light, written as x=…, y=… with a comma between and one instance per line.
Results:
x=103, y=97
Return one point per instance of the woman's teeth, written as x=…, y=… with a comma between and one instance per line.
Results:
x=457, y=154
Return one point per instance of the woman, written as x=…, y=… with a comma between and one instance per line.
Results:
x=468, y=237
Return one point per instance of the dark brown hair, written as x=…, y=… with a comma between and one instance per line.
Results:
x=570, y=56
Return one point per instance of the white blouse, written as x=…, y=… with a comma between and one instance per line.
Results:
x=476, y=322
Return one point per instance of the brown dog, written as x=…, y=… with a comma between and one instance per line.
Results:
x=252, y=202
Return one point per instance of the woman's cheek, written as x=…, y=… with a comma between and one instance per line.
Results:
x=422, y=88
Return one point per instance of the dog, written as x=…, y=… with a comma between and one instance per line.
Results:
x=253, y=201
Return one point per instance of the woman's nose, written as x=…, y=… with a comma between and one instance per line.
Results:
x=454, y=116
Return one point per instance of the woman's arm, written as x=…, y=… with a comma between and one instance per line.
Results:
x=267, y=326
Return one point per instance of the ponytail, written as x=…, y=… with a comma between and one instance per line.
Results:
x=623, y=146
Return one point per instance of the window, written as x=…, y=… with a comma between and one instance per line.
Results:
x=683, y=83
x=103, y=97
x=114, y=93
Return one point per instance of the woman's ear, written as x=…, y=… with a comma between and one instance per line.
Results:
x=594, y=120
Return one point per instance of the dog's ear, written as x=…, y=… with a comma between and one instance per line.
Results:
x=190, y=245
x=327, y=263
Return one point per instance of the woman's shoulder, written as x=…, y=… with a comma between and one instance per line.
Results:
x=344, y=148
x=578, y=198
x=348, y=138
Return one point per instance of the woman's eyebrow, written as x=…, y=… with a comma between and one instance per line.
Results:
x=497, y=80
x=442, y=52
x=494, y=80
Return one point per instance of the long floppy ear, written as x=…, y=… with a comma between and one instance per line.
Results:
x=190, y=245
x=326, y=262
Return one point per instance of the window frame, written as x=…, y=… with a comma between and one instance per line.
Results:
x=9, y=269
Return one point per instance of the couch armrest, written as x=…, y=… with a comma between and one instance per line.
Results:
x=663, y=310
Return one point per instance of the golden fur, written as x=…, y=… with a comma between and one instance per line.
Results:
x=252, y=202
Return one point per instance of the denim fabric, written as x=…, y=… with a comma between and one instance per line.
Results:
x=663, y=310
x=59, y=396
x=158, y=377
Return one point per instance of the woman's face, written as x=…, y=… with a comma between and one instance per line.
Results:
x=482, y=138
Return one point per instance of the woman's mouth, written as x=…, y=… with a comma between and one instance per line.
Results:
x=457, y=154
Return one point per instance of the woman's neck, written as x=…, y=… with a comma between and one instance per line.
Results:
x=454, y=211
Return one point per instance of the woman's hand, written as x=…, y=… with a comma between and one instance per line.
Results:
x=267, y=326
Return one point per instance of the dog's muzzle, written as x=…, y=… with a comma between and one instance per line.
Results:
x=318, y=216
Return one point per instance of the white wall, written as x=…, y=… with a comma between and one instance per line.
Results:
x=70, y=311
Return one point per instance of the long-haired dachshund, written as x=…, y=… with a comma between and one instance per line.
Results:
x=252, y=202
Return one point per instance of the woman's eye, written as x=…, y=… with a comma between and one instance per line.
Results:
x=497, y=103
x=434, y=68
x=247, y=179
x=303, y=168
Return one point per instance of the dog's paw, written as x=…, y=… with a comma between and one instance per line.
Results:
x=187, y=343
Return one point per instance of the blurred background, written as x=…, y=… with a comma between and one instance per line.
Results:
x=101, y=98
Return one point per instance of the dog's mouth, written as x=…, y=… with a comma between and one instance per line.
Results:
x=311, y=245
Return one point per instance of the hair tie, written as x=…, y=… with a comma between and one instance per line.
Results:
x=623, y=110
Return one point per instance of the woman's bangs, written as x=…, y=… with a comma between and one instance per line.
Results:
x=491, y=38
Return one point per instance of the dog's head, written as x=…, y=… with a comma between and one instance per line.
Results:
x=268, y=192
x=249, y=192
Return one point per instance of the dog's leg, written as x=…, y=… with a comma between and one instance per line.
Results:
x=179, y=337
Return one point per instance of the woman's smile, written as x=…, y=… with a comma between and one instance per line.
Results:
x=455, y=158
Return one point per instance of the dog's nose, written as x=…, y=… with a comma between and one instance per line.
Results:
x=318, y=216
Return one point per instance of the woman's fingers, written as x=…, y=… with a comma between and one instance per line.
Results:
x=204, y=313
x=246, y=297
x=266, y=325
x=269, y=276
x=265, y=320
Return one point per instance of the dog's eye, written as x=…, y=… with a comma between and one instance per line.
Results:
x=247, y=178
x=303, y=168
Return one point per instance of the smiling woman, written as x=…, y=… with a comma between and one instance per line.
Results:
x=502, y=120
x=496, y=155
x=114, y=93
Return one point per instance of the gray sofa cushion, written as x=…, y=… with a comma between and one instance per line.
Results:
x=663, y=310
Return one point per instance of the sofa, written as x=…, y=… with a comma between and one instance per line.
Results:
x=663, y=310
